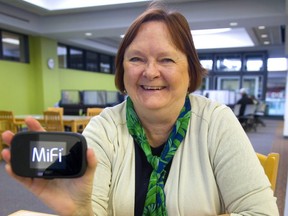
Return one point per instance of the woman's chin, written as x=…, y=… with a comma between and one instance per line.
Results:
x=153, y=103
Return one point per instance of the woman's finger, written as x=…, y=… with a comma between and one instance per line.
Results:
x=7, y=136
x=6, y=155
x=33, y=124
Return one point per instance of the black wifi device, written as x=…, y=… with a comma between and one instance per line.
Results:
x=48, y=154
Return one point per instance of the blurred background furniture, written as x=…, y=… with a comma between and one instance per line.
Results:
x=247, y=120
x=9, y=117
x=61, y=110
x=4, y=125
x=53, y=121
x=72, y=121
x=93, y=111
x=7, y=122
x=260, y=113
x=270, y=164
x=76, y=102
x=236, y=109
x=90, y=111
x=57, y=109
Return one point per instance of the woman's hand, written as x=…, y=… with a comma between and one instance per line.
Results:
x=64, y=196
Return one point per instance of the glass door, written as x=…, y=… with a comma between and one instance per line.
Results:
x=230, y=83
x=253, y=85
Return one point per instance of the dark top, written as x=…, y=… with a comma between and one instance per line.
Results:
x=142, y=177
x=244, y=101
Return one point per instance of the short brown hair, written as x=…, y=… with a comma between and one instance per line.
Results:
x=179, y=30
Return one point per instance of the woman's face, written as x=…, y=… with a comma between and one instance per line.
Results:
x=155, y=71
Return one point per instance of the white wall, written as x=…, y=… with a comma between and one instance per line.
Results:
x=285, y=130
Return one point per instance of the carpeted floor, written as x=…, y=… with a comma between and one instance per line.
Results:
x=280, y=145
x=14, y=197
x=266, y=139
x=270, y=139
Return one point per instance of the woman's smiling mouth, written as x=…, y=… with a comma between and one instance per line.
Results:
x=152, y=87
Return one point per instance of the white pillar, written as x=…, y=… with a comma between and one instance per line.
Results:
x=285, y=130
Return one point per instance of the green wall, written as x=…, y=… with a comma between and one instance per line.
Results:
x=31, y=88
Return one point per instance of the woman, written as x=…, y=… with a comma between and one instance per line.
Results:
x=163, y=151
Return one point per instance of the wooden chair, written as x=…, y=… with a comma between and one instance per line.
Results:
x=270, y=164
x=59, y=109
x=93, y=111
x=7, y=122
x=53, y=121
x=90, y=112
x=11, y=124
x=4, y=125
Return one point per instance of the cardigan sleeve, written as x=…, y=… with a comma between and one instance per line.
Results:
x=102, y=179
x=243, y=185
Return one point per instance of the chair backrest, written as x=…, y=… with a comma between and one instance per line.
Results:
x=53, y=121
x=270, y=164
x=236, y=109
x=9, y=119
x=58, y=109
x=261, y=108
x=93, y=111
x=250, y=109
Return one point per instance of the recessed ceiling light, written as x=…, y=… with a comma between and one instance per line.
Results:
x=88, y=34
x=233, y=24
x=264, y=36
x=266, y=42
x=261, y=27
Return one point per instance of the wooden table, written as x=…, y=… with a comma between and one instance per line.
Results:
x=29, y=213
x=73, y=121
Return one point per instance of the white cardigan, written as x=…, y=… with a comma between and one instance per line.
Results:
x=214, y=171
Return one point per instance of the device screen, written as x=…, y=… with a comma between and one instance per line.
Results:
x=46, y=153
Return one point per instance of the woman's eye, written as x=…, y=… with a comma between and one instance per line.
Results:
x=135, y=59
x=167, y=60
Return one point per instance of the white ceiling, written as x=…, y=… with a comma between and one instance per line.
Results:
x=107, y=23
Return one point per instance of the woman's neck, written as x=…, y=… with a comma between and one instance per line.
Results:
x=158, y=124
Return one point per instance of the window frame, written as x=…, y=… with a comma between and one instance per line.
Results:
x=85, y=60
x=24, y=54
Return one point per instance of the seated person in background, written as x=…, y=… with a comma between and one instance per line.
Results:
x=163, y=151
x=245, y=99
x=254, y=99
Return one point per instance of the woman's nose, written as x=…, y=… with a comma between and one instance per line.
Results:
x=151, y=71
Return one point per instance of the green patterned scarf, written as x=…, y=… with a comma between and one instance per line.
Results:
x=155, y=198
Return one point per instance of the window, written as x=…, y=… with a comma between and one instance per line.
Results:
x=254, y=62
x=70, y=97
x=207, y=63
x=231, y=83
x=76, y=59
x=92, y=61
x=277, y=64
x=228, y=63
x=105, y=63
x=94, y=98
x=81, y=59
x=14, y=47
x=62, y=56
